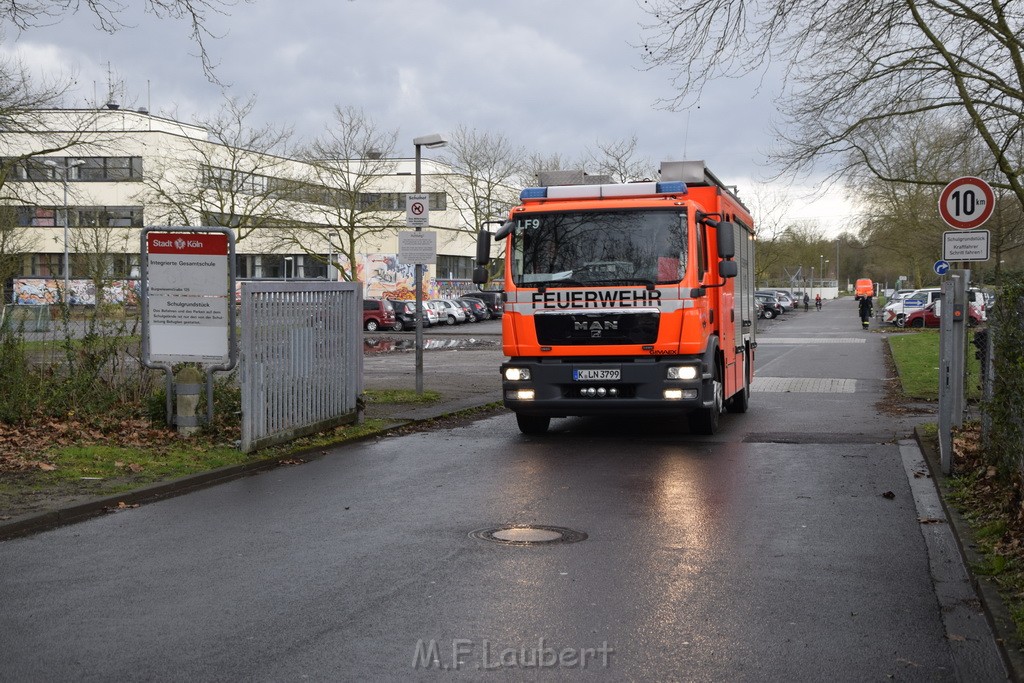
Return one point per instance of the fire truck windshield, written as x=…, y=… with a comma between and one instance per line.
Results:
x=599, y=247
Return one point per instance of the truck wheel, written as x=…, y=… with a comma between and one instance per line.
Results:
x=532, y=424
x=900, y=321
x=705, y=420
x=740, y=401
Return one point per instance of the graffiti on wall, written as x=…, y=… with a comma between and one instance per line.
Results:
x=385, y=278
x=42, y=292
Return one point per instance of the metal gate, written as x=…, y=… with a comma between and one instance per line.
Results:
x=302, y=359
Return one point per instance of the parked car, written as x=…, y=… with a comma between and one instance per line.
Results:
x=448, y=312
x=786, y=299
x=771, y=308
x=377, y=314
x=929, y=316
x=467, y=309
x=772, y=294
x=405, y=312
x=896, y=311
x=495, y=301
x=478, y=307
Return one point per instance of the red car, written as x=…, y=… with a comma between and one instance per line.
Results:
x=926, y=317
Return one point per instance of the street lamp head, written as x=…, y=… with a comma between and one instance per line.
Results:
x=430, y=141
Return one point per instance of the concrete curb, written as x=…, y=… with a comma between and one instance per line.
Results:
x=996, y=612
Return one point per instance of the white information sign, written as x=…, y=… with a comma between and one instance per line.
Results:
x=965, y=245
x=188, y=300
x=417, y=210
x=416, y=246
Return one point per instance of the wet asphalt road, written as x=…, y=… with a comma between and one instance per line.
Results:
x=787, y=547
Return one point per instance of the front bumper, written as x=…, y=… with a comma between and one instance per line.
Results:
x=643, y=387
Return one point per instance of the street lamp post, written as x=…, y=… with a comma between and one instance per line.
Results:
x=821, y=272
x=64, y=180
x=431, y=141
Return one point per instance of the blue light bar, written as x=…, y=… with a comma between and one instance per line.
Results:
x=609, y=191
x=672, y=187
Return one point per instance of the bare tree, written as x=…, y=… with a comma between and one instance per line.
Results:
x=852, y=65
x=238, y=177
x=618, y=159
x=33, y=14
x=899, y=191
x=347, y=162
x=486, y=172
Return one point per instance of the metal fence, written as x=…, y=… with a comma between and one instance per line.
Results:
x=1000, y=349
x=301, y=357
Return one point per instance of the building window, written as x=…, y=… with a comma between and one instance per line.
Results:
x=46, y=265
x=106, y=217
x=78, y=169
x=455, y=267
x=233, y=180
x=37, y=217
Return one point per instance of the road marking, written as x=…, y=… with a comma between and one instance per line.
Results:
x=811, y=340
x=803, y=385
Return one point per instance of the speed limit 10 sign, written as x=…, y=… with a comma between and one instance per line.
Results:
x=966, y=203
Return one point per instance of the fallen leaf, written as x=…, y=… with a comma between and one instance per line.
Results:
x=931, y=520
x=889, y=495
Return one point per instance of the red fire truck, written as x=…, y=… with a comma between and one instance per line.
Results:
x=627, y=299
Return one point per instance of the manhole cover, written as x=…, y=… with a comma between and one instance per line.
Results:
x=529, y=534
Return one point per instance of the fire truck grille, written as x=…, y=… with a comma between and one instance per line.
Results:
x=596, y=329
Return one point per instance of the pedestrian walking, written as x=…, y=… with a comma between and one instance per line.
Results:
x=807, y=302
x=865, y=308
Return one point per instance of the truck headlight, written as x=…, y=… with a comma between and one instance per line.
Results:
x=517, y=374
x=682, y=372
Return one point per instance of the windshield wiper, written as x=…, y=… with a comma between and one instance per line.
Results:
x=650, y=284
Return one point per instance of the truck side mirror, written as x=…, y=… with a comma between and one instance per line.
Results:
x=726, y=240
x=480, y=275
x=728, y=269
x=483, y=248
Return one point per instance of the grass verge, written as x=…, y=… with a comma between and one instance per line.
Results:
x=57, y=463
x=916, y=355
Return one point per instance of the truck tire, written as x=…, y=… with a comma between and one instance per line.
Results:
x=900, y=320
x=705, y=420
x=532, y=424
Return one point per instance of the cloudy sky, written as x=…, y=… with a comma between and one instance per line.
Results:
x=551, y=76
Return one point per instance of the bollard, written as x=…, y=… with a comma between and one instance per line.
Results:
x=188, y=387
